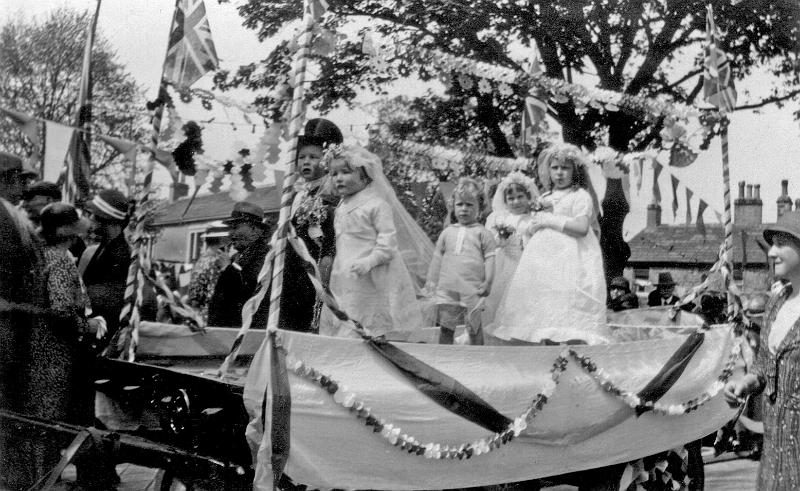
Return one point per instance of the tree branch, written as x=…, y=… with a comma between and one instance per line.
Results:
x=770, y=100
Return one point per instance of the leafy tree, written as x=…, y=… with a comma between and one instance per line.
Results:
x=641, y=48
x=634, y=47
x=40, y=72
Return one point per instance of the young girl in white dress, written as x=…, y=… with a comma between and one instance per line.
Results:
x=463, y=265
x=510, y=217
x=368, y=278
x=558, y=293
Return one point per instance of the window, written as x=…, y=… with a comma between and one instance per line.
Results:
x=641, y=273
x=195, y=245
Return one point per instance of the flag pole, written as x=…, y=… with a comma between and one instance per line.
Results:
x=129, y=316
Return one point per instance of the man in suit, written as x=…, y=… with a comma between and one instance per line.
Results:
x=663, y=294
x=105, y=268
x=249, y=235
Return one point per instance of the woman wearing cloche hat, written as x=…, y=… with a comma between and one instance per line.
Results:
x=776, y=372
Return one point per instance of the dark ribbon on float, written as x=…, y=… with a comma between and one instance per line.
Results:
x=281, y=411
x=670, y=372
x=441, y=388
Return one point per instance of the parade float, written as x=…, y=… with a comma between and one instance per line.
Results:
x=239, y=407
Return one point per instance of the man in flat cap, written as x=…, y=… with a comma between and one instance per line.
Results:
x=249, y=235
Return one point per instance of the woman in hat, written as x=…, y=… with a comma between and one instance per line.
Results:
x=312, y=217
x=63, y=367
x=776, y=372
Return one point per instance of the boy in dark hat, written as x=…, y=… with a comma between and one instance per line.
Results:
x=620, y=296
x=105, y=267
x=663, y=294
x=249, y=234
x=312, y=218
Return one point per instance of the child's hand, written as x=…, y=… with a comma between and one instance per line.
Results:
x=484, y=289
x=361, y=267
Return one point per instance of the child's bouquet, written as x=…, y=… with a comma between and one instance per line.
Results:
x=504, y=231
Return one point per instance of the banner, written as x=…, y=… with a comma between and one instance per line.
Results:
x=57, y=139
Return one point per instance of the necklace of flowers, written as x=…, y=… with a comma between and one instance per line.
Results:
x=311, y=210
x=635, y=402
x=395, y=435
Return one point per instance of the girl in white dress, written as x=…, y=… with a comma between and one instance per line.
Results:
x=368, y=278
x=510, y=217
x=558, y=293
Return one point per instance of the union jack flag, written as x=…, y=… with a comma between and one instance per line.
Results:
x=190, y=53
x=535, y=107
x=718, y=87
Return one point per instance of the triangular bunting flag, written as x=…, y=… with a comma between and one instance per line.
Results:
x=688, y=206
x=57, y=139
x=27, y=124
x=701, y=225
x=125, y=147
x=675, y=183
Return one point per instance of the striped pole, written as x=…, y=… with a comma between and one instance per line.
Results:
x=296, y=120
x=129, y=316
x=726, y=257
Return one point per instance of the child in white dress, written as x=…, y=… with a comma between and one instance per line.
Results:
x=368, y=278
x=558, y=293
x=510, y=217
x=462, y=268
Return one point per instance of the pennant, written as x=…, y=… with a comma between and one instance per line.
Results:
x=680, y=155
x=317, y=9
x=535, y=106
x=719, y=216
x=57, y=139
x=701, y=225
x=125, y=147
x=190, y=52
x=675, y=183
x=656, y=189
x=688, y=206
x=638, y=166
x=718, y=86
x=26, y=123
x=163, y=157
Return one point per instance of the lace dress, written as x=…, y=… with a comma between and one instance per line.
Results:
x=558, y=291
x=509, y=252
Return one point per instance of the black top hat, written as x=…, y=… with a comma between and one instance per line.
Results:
x=788, y=223
x=43, y=188
x=110, y=205
x=321, y=132
x=246, y=212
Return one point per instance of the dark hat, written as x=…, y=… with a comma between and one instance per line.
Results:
x=245, y=212
x=10, y=162
x=109, y=204
x=43, y=188
x=621, y=283
x=665, y=279
x=787, y=223
x=320, y=132
x=62, y=220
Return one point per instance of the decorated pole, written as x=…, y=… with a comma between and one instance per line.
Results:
x=190, y=54
x=719, y=90
x=296, y=119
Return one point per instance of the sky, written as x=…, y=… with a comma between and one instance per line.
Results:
x=764, y=147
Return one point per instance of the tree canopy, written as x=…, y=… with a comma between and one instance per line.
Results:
x=646, y=48
x=40, y=73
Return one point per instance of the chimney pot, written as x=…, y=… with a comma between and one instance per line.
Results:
x=749, y=191
x=653, y=215
x=757, y=191
x=741, y=189
x=784, y=201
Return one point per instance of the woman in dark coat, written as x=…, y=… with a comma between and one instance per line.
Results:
x=776, y=372
x=312, y=218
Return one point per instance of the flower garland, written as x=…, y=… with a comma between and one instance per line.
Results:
x=635, y=402
x=395, y=435
x=450, y=158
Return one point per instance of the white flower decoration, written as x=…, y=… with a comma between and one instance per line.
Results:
x=484, y=86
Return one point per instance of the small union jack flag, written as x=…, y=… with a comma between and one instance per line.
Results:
x=718, y=87
x=190, y=53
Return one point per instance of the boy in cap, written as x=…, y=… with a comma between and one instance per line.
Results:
x=238, y=281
